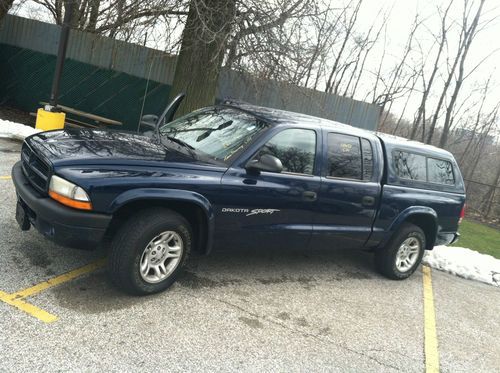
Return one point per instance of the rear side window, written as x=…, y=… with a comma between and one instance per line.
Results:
x=344, y=156
x=349, y=157
x=421, y=168
x=410, y=166
x=440, y=171
x=366, y=148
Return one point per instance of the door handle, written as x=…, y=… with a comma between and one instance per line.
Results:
x=250, y=181
x=309, y=196
x=368, y=201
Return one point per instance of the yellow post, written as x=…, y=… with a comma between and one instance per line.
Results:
x=47, y=120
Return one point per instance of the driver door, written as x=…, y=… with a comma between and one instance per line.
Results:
x=271, y=209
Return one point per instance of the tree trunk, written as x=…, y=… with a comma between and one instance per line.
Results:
x=5, y=6
x=58, y=12
x=202, y=50
x=75, y=17
x=93, y=14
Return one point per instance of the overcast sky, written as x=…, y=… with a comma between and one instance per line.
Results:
x=400, y=21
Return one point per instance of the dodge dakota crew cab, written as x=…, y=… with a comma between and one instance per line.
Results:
x=233, y=176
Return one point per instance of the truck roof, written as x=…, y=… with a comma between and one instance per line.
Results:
x=278, y=116
x=403, y=143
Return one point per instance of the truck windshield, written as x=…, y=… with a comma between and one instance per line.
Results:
x=218, y=132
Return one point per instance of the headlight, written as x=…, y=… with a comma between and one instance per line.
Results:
x=68, y=194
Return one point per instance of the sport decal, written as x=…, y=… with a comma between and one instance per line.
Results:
x=249, y=212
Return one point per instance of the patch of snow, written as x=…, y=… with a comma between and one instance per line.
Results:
x=17, y=131
x=465, y=263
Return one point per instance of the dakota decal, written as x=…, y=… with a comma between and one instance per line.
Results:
x=228, y=209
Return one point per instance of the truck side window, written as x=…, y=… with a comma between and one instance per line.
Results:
x=440, y=171
x=344, y=156
x=295, y=148
x=410, y=166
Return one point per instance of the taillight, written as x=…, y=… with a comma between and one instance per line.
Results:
x=462, y=214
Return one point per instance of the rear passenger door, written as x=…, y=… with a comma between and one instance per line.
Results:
x=349, y=192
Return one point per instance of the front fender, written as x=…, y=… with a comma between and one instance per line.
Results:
x=179, y=195
x=163, y=194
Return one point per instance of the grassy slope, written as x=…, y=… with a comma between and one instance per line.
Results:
x=479, y=237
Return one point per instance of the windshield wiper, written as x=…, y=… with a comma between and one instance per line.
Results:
x=179, y=141
x=209, y=131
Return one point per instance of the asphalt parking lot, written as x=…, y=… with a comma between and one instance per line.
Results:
x=256, y=310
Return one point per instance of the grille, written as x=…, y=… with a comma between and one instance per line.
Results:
x=36, y=170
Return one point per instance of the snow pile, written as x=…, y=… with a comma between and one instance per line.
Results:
x=464, y=263
x=15, y=130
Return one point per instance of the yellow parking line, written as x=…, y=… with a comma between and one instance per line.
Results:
x=28, y=308
x=59, y=279
x=430, y=334
x=5, y=177
x=15, y=299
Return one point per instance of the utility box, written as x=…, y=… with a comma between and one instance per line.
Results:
x=47, y=120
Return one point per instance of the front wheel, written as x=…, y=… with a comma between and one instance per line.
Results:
x=401, y=257
x=149, y=250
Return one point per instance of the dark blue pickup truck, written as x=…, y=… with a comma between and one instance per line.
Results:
x=234, y=176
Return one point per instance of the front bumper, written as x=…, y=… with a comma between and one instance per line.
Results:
x=61, y=224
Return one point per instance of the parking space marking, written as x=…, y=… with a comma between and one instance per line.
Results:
x=5, y=177
x=430, y=333
x=28, y=308
x=68, y=276
x=16, y=299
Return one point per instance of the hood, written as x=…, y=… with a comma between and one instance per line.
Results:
x=78, y=146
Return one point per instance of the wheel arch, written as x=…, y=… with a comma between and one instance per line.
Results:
x=423, y=217
x=194, y=207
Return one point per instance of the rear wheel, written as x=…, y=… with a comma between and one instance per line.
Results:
x=401, y=257
x=149, y=250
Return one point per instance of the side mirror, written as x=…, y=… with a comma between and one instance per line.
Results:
x=148, y=122
x=266, y=162
x=153, y=123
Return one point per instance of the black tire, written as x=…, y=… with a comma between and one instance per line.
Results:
x=133, y=237
x=385, y=258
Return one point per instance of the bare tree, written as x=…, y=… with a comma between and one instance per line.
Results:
x=469, y=33
x=323, y=29
x=368, y=46
x=251, y=31
x=477, y=120
x=5, y=6
x=428, y=85
x=479, y=147
x=112, y=17
x=399, y=79
x=203, y=40
x=330, y=84
x=489, y=197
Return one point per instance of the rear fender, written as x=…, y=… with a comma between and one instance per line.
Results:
x=405, y=216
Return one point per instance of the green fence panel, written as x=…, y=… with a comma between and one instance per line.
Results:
x=26, y=80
